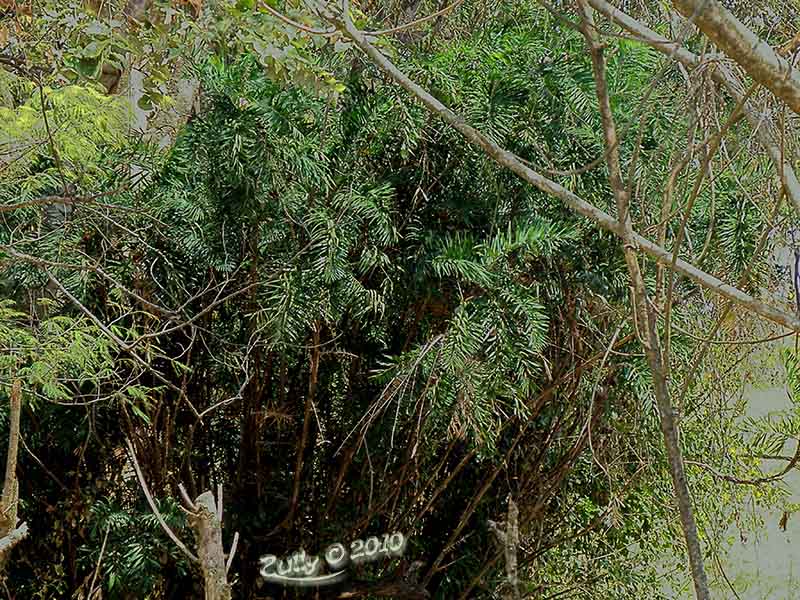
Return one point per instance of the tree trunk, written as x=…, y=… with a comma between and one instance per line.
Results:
x=508, y=539
x=645, y=318
x=207, y=531
x=10, y=534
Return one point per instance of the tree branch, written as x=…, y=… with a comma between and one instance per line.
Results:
x=721, y=75
x=12, y=539
x=647, y=317
x=508, y=539
x=754, y=55
x=153, y=506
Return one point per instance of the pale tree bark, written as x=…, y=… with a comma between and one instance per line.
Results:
x=574, y=202
x=754, y=55
x=644, y=313
x=207, y=529
x=762, y=126
x=205, y=520
x=508, y=538
x=185, y=89
x=10, y=532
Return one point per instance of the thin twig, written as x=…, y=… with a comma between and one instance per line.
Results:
x=99, y=561
x=234, y=544
x=415, y=22
x=153, y=506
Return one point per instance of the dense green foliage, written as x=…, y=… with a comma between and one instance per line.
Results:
x=323, y=300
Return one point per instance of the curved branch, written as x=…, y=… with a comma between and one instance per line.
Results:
x=281, y=17
x=758, y=480
x=59, y=199
x=153, y=506
x=416, y=22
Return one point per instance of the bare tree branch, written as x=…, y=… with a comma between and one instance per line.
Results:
x=723, y=76
x=99, y=562
x=153, y=506
x=232, y=553
x=59, y=199
x=121, y=343
x=756, y=481
x=281, y=17
x=415, y=22
x=754, y=55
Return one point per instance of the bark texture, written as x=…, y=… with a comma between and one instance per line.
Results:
x=207, y=531
x=508, y=538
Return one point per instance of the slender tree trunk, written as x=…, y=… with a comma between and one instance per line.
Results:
x=10, y=534
x=644, y=314
x=207, y=531
x=303, y=444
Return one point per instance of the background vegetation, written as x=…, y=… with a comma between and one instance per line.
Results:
x=297, y=284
